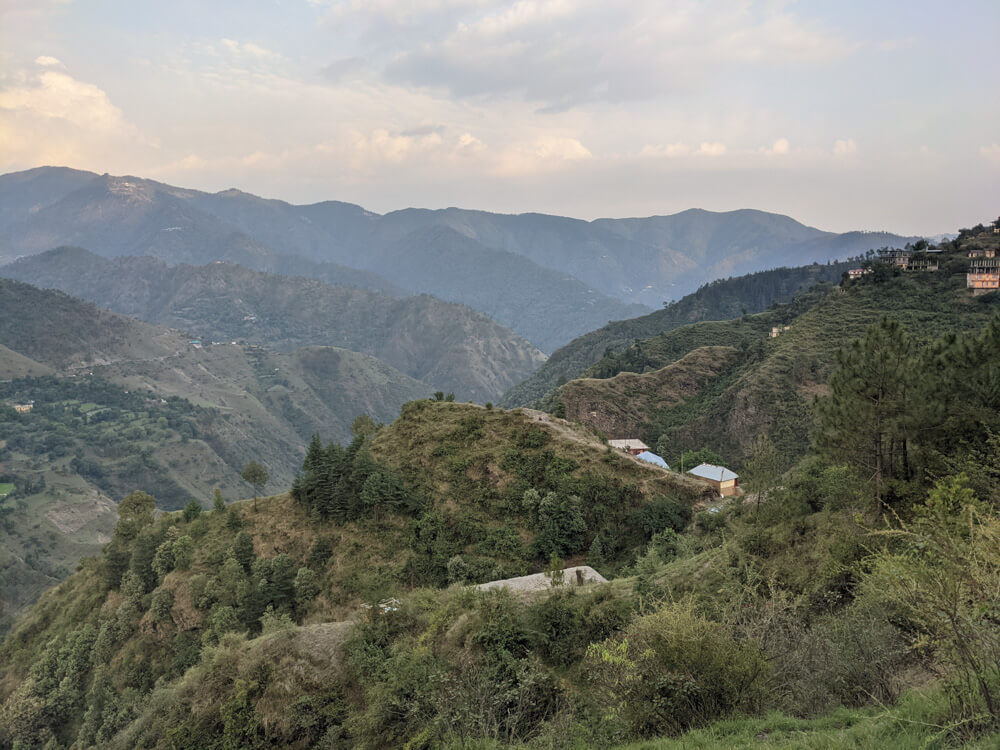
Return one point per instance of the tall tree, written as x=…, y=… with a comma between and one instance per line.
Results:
x=866, y=420
x=256, y=475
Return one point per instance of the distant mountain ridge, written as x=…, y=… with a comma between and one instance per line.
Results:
x=448, y=346
x=558, y=277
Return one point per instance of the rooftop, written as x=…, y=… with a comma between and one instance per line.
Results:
x=713, y=472
x=652, y=458
x=628, y=443
x=539, y=581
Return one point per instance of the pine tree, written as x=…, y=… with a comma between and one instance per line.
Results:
x=867, y=418
x=218, y=503
x=243, y=551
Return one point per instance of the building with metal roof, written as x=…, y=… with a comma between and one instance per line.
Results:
x=629, y=445
x=652, y=458
x=724, y=480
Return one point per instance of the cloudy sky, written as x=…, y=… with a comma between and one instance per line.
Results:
x=870, y=114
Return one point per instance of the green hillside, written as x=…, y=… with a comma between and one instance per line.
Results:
x=847, y=598
x=828, y=613
x=724, y=299
x=769, y=385
x=120, y=405
x=440, y=496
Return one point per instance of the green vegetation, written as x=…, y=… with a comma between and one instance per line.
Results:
x=851, y=602
x=723, y=299
x=770, y=385
x=121, y=405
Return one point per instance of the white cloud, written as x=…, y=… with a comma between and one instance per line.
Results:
x=543, y=154
x=58, y=95
x=50, y=117
x=845, y=147
x=711, y=149
x=47, y=61
x=565, y=52
x=991, y=153
x=780, y=148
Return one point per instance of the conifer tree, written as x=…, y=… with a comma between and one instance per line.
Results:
x=865, y=420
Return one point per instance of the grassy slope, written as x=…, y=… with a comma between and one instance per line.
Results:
x=771, y=392
x=368, y=557
x=619, y=406
x=724, y=299
x=474, y=442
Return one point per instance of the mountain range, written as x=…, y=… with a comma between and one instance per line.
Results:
x=548, y=278
x=448, y=346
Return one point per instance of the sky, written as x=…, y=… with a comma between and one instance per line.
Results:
x=875, y=114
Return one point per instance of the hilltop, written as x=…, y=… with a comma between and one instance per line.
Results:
x=455, y=480
x=448, y=346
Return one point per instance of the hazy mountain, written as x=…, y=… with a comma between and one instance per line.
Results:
x=448, y=346
x=648, y=260
x=116, y=216
x=549, y=278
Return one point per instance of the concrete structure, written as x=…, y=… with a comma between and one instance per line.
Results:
x=777, y=331
x=857, y=273
x=893, y=256
x=984, y=275
x=629, y=445
x=576, y=576
x=24, y=408
x=722, y=479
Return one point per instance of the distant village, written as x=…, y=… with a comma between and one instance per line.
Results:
x=984, y=266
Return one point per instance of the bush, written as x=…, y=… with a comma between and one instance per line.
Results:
x=674, y=669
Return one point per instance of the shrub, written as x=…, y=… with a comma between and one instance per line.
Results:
x=674, y=669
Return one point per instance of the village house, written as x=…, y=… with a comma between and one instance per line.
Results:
x=923, y=263
x=906, y=260
x=857, y=273
x=629, y=445
x=777, y=331
x=725, y=482
x=983, y=275
x=894, y=256
x=982, y=252
x=24, y=408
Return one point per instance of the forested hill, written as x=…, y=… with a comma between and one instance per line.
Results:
x=766, y=386
x=55, y=329
x=448, y=346
x=723, y=299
